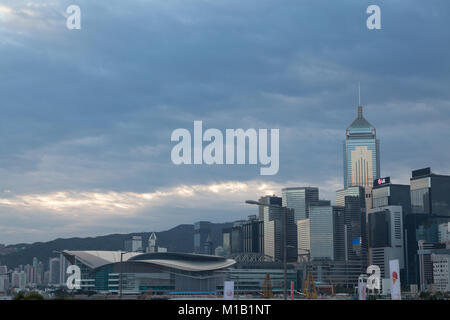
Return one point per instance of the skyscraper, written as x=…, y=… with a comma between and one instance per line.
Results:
x=202, y=230
x=321, y=231
x=386, y=237
x=299, y=199
x=253, y=235
x=430, y=207
x=355, y=228
x=304, y=237
x=274, y=233
x=134, y=244
x=340, y=235
x=274, y=200
x=54, y=269
x=361, y=155
x=385, y=193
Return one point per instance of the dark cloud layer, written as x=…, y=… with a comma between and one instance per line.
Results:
x=93, y=110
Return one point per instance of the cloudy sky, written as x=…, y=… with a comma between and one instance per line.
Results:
x=86, y=115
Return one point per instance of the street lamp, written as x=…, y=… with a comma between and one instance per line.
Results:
x=284, y=214
x=121, y=271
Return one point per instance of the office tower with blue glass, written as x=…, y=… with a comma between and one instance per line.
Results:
x=321, y=231
x=361, y=155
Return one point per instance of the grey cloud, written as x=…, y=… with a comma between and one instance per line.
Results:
x=94, y=109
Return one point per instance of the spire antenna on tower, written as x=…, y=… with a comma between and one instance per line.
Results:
x=359, y=93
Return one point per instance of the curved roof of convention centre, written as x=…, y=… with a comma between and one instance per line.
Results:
x=181, y=261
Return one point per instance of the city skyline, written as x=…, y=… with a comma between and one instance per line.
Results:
x=86, y=130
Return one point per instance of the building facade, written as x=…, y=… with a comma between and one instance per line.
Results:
x=299, y=199
x=386, y=238
x=202, y=230
x=321, y=232
x=441, y=275
x=361, y=155
x=277, y=222
x=153, y=273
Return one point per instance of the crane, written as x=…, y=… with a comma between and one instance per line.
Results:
x=310, y=287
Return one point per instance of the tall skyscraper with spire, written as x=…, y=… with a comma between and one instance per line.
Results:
x=361, y=155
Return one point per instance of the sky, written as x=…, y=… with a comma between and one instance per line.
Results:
x=87, y=115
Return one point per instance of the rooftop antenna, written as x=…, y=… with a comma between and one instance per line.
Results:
x=359, y=93
x=359, y=102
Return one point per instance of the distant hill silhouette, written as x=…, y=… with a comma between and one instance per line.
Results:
x=178, y=239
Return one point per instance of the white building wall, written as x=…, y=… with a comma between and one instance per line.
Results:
x=303, y=236
x=441, y=276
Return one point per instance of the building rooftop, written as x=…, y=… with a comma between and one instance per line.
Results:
x=181, y=261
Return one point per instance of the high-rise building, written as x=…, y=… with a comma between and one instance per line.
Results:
x=15, y=279
x=321, y=231
x=3, y=270
x=441, y=274
x=63, y=265
x=361, y=155
x=54, y=268
x=355, y=228
x=237, y=237
x=272, y=200
x=19, y=280
x=22, y=280
x=277, y=221
x=444, y=233
x=202, y=230
x=134, y=244
x=356, y=191
x=353, y=200
x=29, y=270
x=304, y=237
x=4, y=283
x=386, y=238
x=430, y=207
x=226, y=240
x=339, y=233
x=384, y=194
x=430, y=193
x=425, y=251
x=299, y=199
x=209, y=248
x=253, y=235
x=40, y=273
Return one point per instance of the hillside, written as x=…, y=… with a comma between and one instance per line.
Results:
x=177, y=239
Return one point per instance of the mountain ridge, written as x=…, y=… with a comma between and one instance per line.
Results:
x=177, y=239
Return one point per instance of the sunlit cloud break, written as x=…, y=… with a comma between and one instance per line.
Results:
x=112, y=201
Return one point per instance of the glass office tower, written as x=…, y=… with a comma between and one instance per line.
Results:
x=361, y=155
x=384, y=194
x=430, y=206
x=321, y=232
x=386, y=238
x=300, y=199
x=355, y=222
x=273, y=200
x=274, y=233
